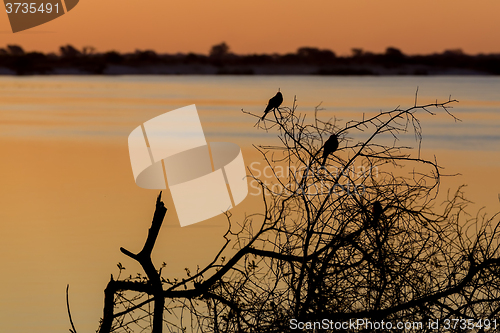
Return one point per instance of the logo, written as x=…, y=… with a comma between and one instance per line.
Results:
x=205, y=179
x=25, y=14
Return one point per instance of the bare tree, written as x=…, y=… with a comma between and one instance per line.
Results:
x=354, y=240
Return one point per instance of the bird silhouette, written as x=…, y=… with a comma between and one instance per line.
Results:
x=330, y=146
x=377, y=211
x=274, y=103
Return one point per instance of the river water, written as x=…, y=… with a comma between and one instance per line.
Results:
x=68, y=200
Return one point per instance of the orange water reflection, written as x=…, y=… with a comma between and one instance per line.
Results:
x=68, y=199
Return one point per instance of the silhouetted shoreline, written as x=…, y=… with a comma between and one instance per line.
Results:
x=306, y=61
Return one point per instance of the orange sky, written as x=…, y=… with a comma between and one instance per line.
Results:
x=266, y=26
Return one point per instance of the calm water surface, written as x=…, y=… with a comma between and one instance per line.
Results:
x=68, y=200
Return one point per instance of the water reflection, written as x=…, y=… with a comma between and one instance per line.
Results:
x=68, y=199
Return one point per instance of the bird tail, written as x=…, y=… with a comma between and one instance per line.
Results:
x=324, y=161
x=264, y=116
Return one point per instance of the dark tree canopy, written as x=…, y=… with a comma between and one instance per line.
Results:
x=220, y=60
x=219, y=50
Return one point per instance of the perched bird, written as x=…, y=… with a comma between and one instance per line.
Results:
x=330, y=146
x=274, y=103
x=377, y=211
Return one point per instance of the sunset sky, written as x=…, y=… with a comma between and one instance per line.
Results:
x=267, y=26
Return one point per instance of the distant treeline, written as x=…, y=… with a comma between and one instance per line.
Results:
x=307, y=60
